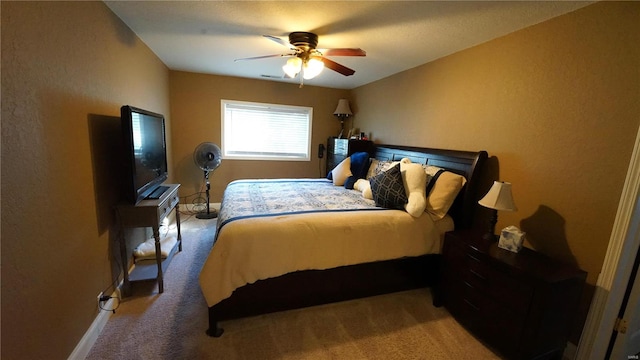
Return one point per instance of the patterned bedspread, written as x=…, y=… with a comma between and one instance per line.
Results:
x=258, y=198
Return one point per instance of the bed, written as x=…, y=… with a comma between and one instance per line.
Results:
x=327, y=243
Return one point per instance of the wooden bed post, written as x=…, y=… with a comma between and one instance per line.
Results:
x=213, y=330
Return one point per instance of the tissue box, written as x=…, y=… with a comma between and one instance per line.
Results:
x=511, y=238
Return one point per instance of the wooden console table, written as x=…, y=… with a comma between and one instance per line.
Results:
x=149, y=213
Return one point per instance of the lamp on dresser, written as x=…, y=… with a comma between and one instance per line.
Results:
x=500, y=198
x=343, y=111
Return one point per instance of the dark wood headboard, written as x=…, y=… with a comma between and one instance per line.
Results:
x=466, y=163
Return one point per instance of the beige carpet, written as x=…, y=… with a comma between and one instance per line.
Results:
x=172, y=325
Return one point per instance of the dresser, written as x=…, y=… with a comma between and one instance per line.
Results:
x=339, y=149
x=522, y=304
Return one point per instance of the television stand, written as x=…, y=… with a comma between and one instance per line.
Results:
x=149, y=213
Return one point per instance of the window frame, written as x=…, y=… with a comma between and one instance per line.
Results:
x=307, y=110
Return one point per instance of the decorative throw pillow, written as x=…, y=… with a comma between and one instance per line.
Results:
x=341, y=172
x=350, y=182
x=359, y=164
x=359, y=167
x=446, y=187
x=388, y=190
x=415, y=183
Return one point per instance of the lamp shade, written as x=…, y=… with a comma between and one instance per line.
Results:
x=499, y=197
x=312, y=68
x=343, y=108
x=292, y=67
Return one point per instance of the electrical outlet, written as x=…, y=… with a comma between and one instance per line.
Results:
x=100, y=296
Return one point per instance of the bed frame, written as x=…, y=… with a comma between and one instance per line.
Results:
x=314, y=287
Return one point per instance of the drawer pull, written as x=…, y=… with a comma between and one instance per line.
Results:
x=477, y=275
x=472, y=305
x=473, y=258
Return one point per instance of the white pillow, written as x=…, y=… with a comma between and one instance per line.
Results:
x=378, y=166
x=415, y=183
x=364, y=186
x=444, y=191
x=341, y=172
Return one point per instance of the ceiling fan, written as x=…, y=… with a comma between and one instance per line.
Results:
x=306, y=59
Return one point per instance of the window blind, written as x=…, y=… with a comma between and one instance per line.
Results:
x=265, y=131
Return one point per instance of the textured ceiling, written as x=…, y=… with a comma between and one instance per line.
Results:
x=207, y=36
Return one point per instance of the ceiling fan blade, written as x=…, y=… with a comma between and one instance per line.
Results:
x=264, y=57
x=278, y=40
x=337, y=67
x=344, y=52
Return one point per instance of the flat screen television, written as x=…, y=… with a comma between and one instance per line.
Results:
x=145, y=153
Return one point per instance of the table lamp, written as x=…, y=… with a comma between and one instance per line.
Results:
x=500, y=198
x=343, y=111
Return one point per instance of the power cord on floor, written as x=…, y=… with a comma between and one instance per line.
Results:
x=104, y=298
x=198, y=203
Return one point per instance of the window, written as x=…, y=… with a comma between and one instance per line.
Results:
x=257, y=131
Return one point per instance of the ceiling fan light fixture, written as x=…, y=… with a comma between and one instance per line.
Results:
x=292, y=67
x=305, y=58
x=312, y=68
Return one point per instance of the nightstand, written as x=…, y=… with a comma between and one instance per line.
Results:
x=521, y=304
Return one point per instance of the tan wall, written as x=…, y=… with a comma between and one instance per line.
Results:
x=557, y=107
x=196, y=114
x=67, y=67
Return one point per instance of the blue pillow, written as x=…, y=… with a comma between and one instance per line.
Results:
x=360, y=164
x=359, y=168
x=350, y=182
x=388, y=190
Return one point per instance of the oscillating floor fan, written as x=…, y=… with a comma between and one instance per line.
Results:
x=208, y=157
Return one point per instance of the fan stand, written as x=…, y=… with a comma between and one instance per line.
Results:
x=211, y=213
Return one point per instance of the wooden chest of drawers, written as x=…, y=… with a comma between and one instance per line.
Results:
x=339, y=149
x=523, y=305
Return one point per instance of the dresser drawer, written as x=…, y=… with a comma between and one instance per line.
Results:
x=483, y=315
x=509, y=291
x=466, y=259
x=167, y=205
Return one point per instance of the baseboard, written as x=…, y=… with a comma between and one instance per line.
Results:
x=215, y=206
x=86, y=343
